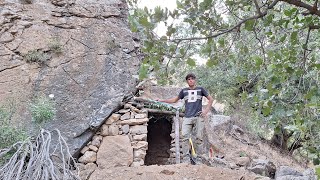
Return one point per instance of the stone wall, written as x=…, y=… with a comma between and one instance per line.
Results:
x=128, y=126
x=122, y=141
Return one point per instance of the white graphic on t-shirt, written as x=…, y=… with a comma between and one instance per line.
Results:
x=192, y=95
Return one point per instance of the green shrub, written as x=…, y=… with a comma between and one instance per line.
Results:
x=37, y=57
x=55, y=46
x=317, y=168
x=9, y=134
x=42, y=109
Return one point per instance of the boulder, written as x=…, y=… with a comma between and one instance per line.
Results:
x=115, y=151
x=263, y=167
x=288, y=173
x=88, y=78
x=286, y=170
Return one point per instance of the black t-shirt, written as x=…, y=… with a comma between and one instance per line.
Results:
x=193, y=100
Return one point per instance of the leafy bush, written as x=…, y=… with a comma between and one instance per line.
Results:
x=42, y=109
x=318, y=171
x=55, y=46
x=9, y=134
x=37, y=57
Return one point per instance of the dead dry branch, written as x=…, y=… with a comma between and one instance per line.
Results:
x=40, y=159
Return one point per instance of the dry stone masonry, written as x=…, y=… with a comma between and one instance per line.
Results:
x=121, y=141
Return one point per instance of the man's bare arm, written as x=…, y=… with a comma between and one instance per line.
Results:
x=171, y=100
x=207, y=109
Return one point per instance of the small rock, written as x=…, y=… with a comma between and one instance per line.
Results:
x=262, y=178
x=133, y=122
x=6, y=37
x=96, y=143
x=113, y=118
x=167, y=172
x=88, y=157
x=132, y=115
x=85, y=149
x=172, y=135
x=140, y=154
x=140, y=116
x=242, y=161
x=113, y=130
x=105, y=130
x=127, y=106
x=123, y=111
x=233, y=166
x=125, y=129
x=138, y=129
x=142, y=137
x=125, y=116
x=137, y=163
x=25, y=23
x=139, y=145
x=93, y=148
x=237, y=129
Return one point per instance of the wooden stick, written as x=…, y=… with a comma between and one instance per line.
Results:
x=177, y=137
x=163, y=112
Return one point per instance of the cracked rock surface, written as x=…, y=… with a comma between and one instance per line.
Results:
x=89, y=75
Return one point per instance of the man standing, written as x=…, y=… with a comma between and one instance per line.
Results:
x=194, y=115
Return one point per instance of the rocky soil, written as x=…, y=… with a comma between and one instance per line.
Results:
x=179, y=172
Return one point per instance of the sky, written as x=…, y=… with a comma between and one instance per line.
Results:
x=170, y=4
x=151, y=4
x=161, y=29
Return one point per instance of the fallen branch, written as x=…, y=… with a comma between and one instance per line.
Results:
x=234, y=135
x=40, y=160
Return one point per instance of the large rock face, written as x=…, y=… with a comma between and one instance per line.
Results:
x=88, y=78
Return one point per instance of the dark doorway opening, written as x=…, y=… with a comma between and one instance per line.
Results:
x=159, y=139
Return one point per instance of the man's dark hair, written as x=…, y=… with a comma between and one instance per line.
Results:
x=190, y=75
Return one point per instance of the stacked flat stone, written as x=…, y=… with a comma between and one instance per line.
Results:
x=128, y=126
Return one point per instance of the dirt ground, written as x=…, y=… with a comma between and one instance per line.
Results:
x=232, y=149
x=173, y=172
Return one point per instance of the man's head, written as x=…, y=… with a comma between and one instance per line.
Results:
x=191, y=80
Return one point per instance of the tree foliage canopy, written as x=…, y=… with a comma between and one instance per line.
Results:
x=265, y=52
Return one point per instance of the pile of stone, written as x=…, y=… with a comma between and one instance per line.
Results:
x=125, y=131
